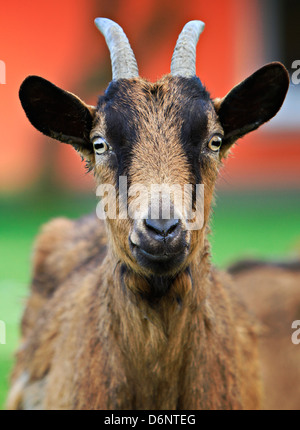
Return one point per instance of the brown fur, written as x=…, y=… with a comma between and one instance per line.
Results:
x=93, y=341
x=101, y=330
x=273, y=295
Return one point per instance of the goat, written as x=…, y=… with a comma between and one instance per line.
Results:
x=271, y=291
x=129, y=313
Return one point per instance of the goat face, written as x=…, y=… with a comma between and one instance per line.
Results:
x=169, y=133
x=156, y=136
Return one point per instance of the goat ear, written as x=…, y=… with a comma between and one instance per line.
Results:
x=251, y=103
x=57, y=113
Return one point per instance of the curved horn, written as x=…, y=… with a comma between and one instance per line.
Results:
x=123, y=61
x=184, y=56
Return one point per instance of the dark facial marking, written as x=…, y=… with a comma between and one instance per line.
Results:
x=196, y=105
x=128, y=105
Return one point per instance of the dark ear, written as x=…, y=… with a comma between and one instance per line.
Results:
x=253, y=102
x=57, y=113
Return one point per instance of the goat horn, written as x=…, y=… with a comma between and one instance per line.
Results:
x=184, y=56
x=123, y=61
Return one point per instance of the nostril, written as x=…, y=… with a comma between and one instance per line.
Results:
x=172, y=227
x=162, y=227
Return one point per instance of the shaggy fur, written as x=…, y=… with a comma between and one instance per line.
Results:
x=91, y=342
x=105, y=329
x=272, y=293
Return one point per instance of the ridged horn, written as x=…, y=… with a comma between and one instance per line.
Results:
x=123, y=61
x=184, y=56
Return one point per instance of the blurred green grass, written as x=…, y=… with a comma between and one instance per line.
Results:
x=255, y=224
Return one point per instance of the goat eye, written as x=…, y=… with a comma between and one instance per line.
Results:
x=100, y=145
x=215, y=143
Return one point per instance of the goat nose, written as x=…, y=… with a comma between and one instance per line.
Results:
x=162, y=227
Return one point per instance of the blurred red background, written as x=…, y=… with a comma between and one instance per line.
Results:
x=59, y=41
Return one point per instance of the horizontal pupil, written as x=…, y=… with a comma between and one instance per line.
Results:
x=99, y=145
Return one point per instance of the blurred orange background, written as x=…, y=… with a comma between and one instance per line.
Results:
x=41, y=178
x=59, y=41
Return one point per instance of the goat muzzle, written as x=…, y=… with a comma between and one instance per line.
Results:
x=159, y=245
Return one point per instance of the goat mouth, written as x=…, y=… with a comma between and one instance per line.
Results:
x=157, y=257
x=160, y=263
